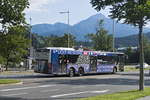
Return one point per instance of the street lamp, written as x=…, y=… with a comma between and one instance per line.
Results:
x=67, y=12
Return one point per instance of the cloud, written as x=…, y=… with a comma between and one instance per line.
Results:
x=38, y=5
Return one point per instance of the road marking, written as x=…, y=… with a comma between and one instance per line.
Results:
x=100, y=85
x=14, y=94
x=49, y=90
x=69, y=94
x=24, y=88
x=78, y=87
x=99, y=91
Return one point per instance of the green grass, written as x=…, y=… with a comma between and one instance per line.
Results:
x=17, y=73
x=131, y=69
x=128, y=95
x=8, y=81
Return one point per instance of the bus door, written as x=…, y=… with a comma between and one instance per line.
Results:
x=55, y=62
x=62, y=63
x=121, y=62
x=93, y=63
x=43, y=66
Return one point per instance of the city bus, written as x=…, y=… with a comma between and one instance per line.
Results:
x=76, y=62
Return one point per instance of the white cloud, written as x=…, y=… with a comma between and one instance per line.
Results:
x=38, y=5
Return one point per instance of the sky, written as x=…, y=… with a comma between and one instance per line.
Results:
x=47, y=11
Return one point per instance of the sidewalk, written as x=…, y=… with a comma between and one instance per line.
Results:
x=144, y=98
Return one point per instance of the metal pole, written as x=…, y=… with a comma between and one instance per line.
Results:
x=68, y=30
x=30, y=32
x=113, y=36
x=68, y=25
x=30, y=58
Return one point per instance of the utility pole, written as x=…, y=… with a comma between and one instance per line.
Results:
x=113, y=35
x=31, y=51
x=68, y=13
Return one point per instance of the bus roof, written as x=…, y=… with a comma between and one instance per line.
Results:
x=100, y=53
x=110, y=53
x=68, y=52
x=58, y=48
x=71, y=51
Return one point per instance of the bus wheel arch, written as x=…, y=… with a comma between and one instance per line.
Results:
x=81, y=71
x=71, y=72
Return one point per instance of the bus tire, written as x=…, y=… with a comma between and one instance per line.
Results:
x=81, y=71
x=71, y=72
x=114, y=70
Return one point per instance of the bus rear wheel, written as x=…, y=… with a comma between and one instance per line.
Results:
x=71, y=72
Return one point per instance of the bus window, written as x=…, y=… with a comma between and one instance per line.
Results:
x=93, y=63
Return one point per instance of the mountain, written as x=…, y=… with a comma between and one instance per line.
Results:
x=129, y=41
x=86, y=26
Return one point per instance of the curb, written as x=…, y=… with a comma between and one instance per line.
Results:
x=23, y=76
x=20, y=83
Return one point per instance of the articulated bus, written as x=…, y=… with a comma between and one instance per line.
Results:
x=74, y=62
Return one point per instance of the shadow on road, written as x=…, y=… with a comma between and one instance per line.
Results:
x=44, y=76
x=94, y=81
x=63, y=79
x=15, y=98
x=132, y=74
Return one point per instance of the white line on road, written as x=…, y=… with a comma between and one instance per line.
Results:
x=78, y=87
x=23, y=88
x=50, y=90
x=14, y=94
x=69, y=94
x=99, y=91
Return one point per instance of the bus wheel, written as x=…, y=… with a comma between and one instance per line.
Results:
x=71, y=72
x=81, y=72
x=114, y=70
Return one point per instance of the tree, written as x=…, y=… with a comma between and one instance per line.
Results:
x=11, y=12
x=1, y=60
x=132, y=55
x=14, y=45
x=52, y=41
x=146, y=47
x=63, y=41
x=101, y=40
x=13, y=41
x=134, y=12
x=40, y=41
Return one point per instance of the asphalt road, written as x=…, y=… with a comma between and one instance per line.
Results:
x=66, y=88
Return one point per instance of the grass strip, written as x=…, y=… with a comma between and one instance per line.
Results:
x=131, y=69
x=128, y=95
x=17, y=73
x=8, y=81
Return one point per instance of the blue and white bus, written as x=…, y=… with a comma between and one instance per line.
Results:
x=74, y=62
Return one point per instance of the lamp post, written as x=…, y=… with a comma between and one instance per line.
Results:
x=67, y=12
